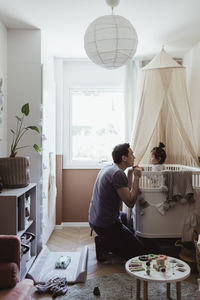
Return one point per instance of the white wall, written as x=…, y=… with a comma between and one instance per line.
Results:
x=192, y=63
x=48, y=141
x=25, y=85
x=49, y=148
x=29, y=81
x=3, y=74
x=59, y=105
x=85, y=73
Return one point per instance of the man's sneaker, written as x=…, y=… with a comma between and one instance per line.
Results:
x=101, y=251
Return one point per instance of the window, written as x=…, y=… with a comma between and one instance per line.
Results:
x=96, y=125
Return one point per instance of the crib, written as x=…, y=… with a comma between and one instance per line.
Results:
x=148, y=222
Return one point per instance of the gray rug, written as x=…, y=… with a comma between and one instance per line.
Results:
x=121, y=286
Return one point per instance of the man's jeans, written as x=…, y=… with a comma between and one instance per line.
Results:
x=120, y=240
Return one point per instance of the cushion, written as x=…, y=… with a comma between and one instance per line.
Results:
x=22, y=291
x=9, y=275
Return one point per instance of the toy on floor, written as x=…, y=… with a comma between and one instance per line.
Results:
x=96, y=291
x=62, y=262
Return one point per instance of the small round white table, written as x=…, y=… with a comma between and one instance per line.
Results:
x=176, y=271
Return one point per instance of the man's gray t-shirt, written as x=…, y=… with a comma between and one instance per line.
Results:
x=105, y=204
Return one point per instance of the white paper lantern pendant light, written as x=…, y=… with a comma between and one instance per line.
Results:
x=110, y=41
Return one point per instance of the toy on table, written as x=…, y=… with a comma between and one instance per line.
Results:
x=148, y=265
x=160, y=263
x=144, y=257
x=135, y=266
x=152, y=256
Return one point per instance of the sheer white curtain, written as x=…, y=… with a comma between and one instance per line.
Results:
x=130, y=104
x=130, y=97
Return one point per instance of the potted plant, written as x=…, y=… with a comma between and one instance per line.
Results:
x=14, y=170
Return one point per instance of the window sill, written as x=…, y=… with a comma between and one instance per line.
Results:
x=81, y=168
x=85, y=167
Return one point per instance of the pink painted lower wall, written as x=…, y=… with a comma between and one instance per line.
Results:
x=59, y=186
x=77, y=187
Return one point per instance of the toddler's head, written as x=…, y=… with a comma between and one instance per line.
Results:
x=158, y=154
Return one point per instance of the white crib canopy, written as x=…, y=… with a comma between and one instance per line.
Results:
x=164, y=113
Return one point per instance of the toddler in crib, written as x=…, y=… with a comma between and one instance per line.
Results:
x=158, y=156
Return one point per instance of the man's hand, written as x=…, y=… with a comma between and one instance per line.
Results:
x=130, y=170
x=137, y=171
x=129, y=195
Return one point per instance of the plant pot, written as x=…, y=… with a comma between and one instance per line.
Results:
x=15, y=171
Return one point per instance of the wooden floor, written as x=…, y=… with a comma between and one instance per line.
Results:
x=73, y=239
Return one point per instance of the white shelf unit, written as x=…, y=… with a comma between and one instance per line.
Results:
x=13, y=219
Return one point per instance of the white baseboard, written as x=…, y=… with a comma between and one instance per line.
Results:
x=58, y=227
x=72, y=224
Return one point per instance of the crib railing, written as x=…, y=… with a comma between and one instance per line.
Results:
x=148, y=178
x=196, y=179
x=172, y=167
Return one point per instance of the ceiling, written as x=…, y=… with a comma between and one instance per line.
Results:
x=173, y=23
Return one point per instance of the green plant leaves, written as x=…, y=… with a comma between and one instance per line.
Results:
x=18, y=118
x=25, y=109
x=36, y=148
x=34, y=128
x=21, y=130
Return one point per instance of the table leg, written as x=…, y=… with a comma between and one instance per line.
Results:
x=168, y=291
x=145, y=290
x=178, y=290
x=138, y=289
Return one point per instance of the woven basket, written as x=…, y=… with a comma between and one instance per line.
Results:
x=14, y=171
x=187, y=253
x=197, y=251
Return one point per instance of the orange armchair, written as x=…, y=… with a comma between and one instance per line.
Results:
x=11, y=288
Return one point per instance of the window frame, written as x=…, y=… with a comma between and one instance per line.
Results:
x=68, y=163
